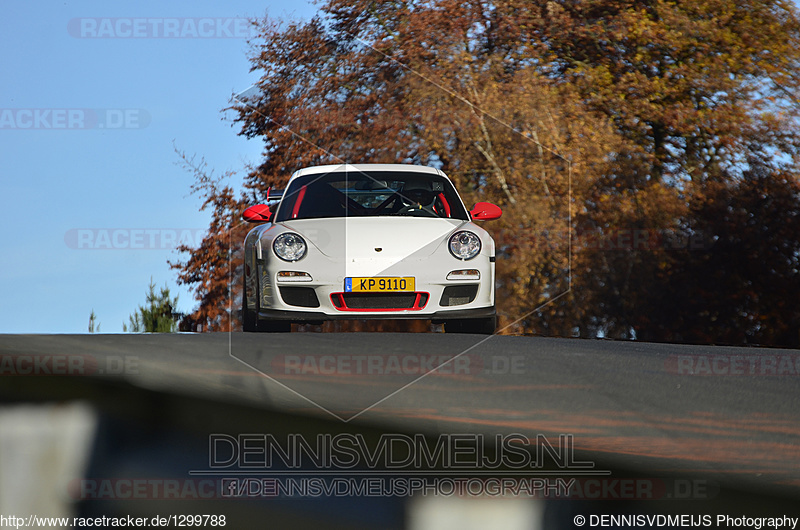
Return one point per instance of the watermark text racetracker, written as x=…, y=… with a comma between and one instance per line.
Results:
x=161, y=28
x=24, y=364
x=626, y=239
x=73, y=119
x=396, y=364
x=132, y=238
x=755, y=364
x=103, y=521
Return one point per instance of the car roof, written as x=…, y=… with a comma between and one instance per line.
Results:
x=355, y=168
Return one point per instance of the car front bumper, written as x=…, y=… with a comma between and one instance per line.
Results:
x=435, y=317
x=438, y=300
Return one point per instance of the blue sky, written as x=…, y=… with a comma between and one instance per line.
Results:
x=70, y=193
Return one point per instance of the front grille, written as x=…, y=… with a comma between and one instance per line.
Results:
x=458, y=295
x=299, y=296
x=379, y=301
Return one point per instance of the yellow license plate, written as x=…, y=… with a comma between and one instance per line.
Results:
x=380, y=285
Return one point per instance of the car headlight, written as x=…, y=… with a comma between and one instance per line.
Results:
x=464, y=245
x=289, y=247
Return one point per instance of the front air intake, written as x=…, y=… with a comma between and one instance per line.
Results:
x=458, y=295
x=299, y=296
x=379, y=301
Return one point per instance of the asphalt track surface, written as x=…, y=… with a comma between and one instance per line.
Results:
x=719, y=413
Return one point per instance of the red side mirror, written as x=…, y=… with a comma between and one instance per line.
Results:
x=257, y=214
x=486, y=211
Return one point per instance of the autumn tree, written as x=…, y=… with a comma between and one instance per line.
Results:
x=694, y=85
x=736, y=276
x=701, y=92
x=216, y=263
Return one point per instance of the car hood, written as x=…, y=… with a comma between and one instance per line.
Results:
x=369, y=245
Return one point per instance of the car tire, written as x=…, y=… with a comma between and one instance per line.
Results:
x=478, y=326
x=249, y=318
x=251, y=324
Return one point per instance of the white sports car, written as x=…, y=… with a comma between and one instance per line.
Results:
x=369, y=241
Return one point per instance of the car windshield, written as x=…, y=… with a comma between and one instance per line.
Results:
x=370, y=194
